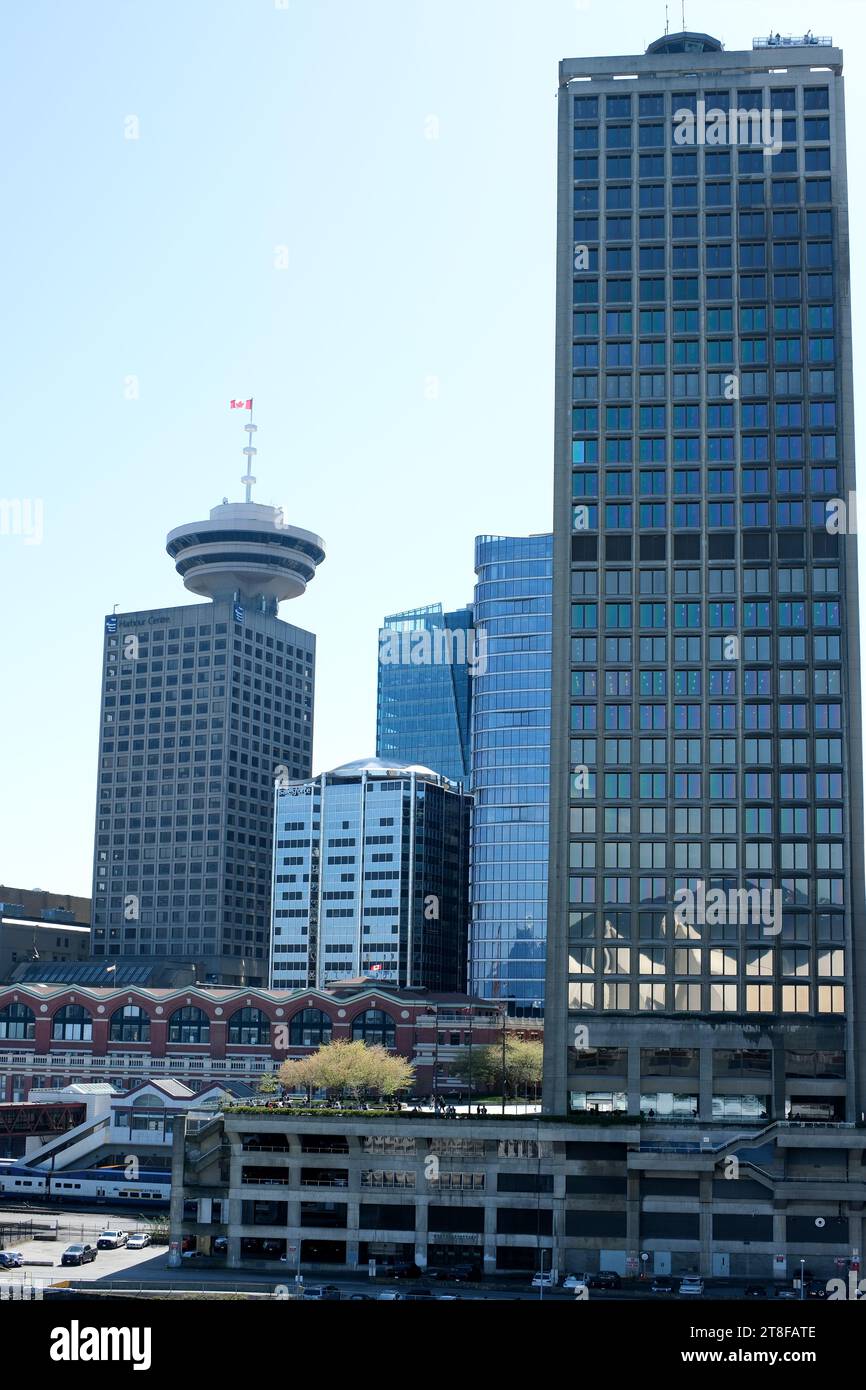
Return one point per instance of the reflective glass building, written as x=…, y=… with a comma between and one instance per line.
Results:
x=510, y=755
x=705, y=698
x=371, y=877
x=424, y=700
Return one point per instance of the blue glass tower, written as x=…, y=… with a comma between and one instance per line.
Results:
x=510, y=757
x=425, y=690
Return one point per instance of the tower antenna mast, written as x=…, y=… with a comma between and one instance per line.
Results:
x=250, y=451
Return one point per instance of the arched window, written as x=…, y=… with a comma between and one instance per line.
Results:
x=249, y=1026
x=189, y=1025
x=310, y=1028
x=17, y=1021
x=129, y=1024
x=375, y=1026
x=72, y=1024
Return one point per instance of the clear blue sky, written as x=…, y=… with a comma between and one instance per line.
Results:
x=401, y=363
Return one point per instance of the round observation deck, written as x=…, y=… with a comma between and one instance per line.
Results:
x=245, y=548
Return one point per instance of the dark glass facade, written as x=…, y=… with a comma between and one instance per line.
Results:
x=424, y=703
x=510, y=770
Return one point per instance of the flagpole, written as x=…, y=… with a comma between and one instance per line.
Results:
x=250, y=452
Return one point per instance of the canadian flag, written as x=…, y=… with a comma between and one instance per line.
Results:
x=242, y=405
x=375, y=967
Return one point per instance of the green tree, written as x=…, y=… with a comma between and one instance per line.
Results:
x=349, y=1069
x=484, y=1066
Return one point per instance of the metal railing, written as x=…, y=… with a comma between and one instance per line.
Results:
x=794, y=41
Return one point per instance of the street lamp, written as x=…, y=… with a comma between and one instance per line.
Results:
x=802, y=1279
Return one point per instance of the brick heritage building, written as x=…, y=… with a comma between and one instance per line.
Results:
x=53, y=1035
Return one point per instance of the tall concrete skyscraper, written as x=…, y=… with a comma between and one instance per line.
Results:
x=510, y=771
x=706, y=720
x=203, y=706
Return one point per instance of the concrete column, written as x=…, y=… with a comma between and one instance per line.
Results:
x=421, y=1231
x=856, y=1234
x=352, y=1229
x=233, y=1253
x=489, y=1238
x=780, y=1239
x=632, y=1214
x=705, y=1111
x=706, y=1223
x=634, y=1080
x=777, y=1099
x=233, y=1256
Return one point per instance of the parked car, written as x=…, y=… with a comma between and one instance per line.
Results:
x=691, y=1287
x=755, y=1291
x=662, y=1284
x=326, y=1292
x=138, y=1241
x=815, y=1289
x=220, y=1246
x=454, y=1274
x=605, y=1279
x=111, y=1240
x=399, y=1270
x=787, y=1291
x=543, y=1280
x=78, y=1254
x=420, y=1293
x=193, y=1255
x=576, y=1281
x=11, y=1259
x=391, y=1296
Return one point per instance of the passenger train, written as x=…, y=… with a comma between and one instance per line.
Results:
x=92, y=1186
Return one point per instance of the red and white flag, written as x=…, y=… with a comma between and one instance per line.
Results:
x=242, y=405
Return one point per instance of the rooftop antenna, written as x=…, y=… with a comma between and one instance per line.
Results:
x=667, y=18
x=684, y=16
x=249, y=450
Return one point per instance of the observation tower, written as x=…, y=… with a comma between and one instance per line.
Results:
x=246, y=551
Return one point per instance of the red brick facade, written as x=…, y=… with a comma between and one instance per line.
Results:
x=89, y=1053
